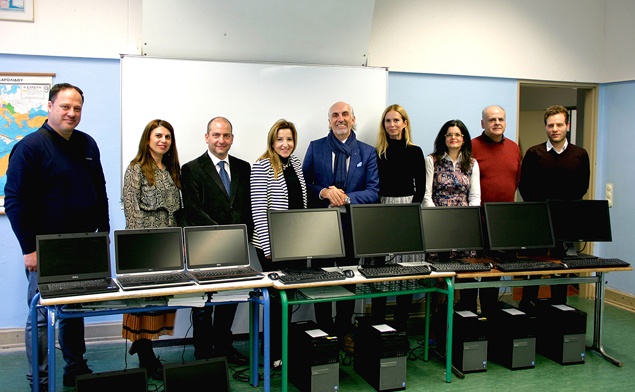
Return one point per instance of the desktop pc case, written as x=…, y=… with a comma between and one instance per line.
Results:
x=511, y=338
x=561, y=332
x=469, y=342
x=380, y=355
x=313, y=358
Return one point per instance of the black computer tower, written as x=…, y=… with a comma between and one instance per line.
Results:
x=511, y=338
x=313, y=358
x=469, y=342
x=380, y=355
x=561, y=333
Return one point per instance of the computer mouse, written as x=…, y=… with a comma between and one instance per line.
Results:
x=490, y=265
x=349, y=273
x=565, y=265
x=273, y=276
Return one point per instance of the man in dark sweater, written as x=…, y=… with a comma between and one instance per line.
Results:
x=55, y=184
x=555, y=169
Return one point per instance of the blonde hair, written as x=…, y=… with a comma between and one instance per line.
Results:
x=273, y=156
x=382, y=139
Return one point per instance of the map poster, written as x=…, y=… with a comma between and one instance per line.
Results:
x=23, y=110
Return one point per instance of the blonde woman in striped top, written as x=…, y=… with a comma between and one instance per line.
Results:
x=277, y=183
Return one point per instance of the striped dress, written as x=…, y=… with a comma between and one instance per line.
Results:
x=269, y=193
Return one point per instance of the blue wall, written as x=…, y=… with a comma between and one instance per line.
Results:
x=430, y=101
x=616, y=137
x=101, y=118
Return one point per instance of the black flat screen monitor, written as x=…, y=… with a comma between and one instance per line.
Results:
x=580, y=221
x=386, y=229
x=130, y=380
x=202, y=375
x=305, y=234
x=518, y=226
x=149, y=250
x=449, y=229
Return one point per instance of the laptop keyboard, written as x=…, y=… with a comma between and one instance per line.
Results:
x=248, y=271
x=78, y=283
x=154, y=279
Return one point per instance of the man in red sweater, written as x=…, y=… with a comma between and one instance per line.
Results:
x=499, y=163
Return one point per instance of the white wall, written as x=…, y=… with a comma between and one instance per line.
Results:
x=564, y=40
x=75, y=28
x=619, y=30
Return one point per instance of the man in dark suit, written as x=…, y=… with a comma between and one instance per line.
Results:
x=216, y=192
x=340, y=170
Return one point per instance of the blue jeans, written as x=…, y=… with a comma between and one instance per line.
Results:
x=71, y=338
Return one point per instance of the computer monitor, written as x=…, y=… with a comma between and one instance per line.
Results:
x=305, y=234
x=216, y=246
x=130, y=380
x=450, y=229
x=580, y=221
x=202, y=375
x=386, y=229
x=141, y=250
x=518, y=226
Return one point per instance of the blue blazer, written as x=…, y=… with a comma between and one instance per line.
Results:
x=362, y=181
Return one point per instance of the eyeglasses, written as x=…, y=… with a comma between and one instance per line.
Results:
x=451, y=135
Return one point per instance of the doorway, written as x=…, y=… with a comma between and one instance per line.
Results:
x=582, y=101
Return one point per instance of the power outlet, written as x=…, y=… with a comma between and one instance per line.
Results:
x=609, y=194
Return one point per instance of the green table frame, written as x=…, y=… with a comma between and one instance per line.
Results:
x=363, y=290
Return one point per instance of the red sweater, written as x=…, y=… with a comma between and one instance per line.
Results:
x=499, y=163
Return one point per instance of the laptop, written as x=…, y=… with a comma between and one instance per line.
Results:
x=130, y=380
x=73, y=264
x=202, y=375
x=150, y=258
x=217, y=254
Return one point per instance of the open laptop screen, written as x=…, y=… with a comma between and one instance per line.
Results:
x=72, y=255
x=216, y=246
x=149, y=250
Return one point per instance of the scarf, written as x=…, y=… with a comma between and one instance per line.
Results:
x=342, y=153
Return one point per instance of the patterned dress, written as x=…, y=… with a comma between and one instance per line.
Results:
x=451, y=186
x=149, y=206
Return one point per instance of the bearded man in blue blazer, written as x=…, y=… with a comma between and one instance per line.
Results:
x=340, y=170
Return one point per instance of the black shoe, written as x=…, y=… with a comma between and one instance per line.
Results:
x=69, y=379
x=236, y=358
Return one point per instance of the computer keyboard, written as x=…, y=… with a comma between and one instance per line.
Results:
x=77, y=283
x=388, y=271
x=226, y=273
x=460, y=267
x=310, y=277
x=529, y=265
x=595, y=263
x=155, y=278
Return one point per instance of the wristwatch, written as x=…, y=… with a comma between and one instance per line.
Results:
x=347, y=200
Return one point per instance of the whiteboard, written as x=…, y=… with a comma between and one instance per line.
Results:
x=253, y=96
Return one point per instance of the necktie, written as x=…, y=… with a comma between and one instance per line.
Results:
x=224, y=177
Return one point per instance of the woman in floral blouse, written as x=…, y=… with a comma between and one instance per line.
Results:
x=151, y=200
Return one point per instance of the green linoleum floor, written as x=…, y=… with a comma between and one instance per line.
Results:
x=596, y=374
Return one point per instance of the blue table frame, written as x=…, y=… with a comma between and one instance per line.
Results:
x=55, y=312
